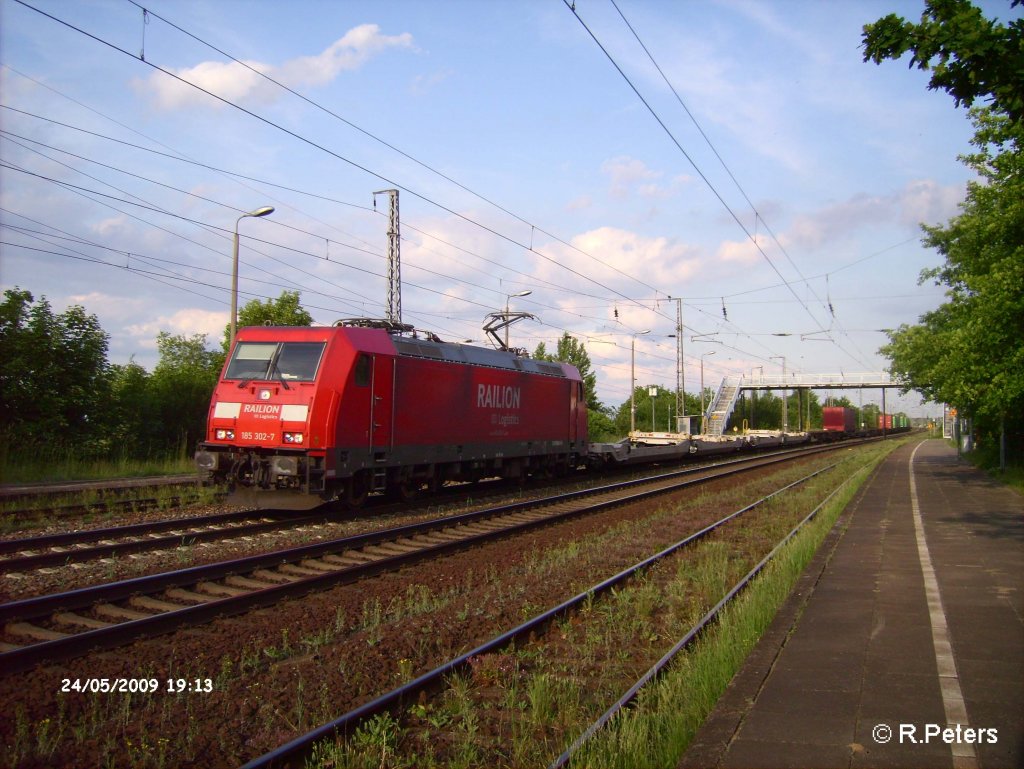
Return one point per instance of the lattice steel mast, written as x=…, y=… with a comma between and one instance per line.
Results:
x=394, y=308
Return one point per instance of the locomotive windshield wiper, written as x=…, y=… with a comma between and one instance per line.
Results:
x=274, y=367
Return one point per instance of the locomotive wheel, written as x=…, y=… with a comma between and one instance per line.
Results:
x=356, y=491
x=405, y=490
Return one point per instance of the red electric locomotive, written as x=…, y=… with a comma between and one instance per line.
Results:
x=302, y=415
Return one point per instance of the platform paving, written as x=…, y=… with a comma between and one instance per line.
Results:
x=852, y=658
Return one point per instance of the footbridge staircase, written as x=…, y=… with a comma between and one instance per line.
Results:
x=722, y=404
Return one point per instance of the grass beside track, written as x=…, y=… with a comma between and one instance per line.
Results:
x=523, y=706
x=668, y=713
x=66, y=466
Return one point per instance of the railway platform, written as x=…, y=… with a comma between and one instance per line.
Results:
x=902, y=644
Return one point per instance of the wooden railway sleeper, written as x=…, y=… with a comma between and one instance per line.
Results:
x=191, y=596
x=343, y=562
x=318, y=565
x=77, y=620
x=390, y=548
x=275, y=577
x=28, y=630
x=153, y=604
x=291, y=568
x=118, y=612
x=248, y=582
x=225, y=591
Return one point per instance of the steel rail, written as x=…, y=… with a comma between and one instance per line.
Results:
x=41, y=605
x=398, y=698
x=22, y=658
x=691, y=635
x=234, y=525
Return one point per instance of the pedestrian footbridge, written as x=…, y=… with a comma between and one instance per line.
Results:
x=721, y=406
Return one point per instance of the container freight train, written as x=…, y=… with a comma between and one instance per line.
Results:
x=305, y=415
x=302, y=416
x=842, y=420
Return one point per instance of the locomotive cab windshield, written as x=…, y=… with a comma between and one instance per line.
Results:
x=265, y=361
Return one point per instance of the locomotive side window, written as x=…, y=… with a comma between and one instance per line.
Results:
x=364, y=367
x=265, y=361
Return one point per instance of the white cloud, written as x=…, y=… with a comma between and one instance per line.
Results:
x=919, y=201
x=240, y=83
x=185, y=322
x=609, y=255
x=582, y=203
x=925, y=201
x=423, y=84
x=632, y=176
x=741, y=251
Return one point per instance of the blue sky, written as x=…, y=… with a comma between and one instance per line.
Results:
x=559, y=178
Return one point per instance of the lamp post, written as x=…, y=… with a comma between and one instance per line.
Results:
x=632, y=380
x=681, y=378
x=234, y=268
x=527, y=292
x=703, y=427
x=653, y=393
x=785, y=394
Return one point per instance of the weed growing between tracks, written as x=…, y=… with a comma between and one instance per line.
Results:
x=523, y=706
x=349, y=644
x=667, y=714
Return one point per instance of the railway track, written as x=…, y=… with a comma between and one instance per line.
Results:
x=10, y=492
x=399, y=699
x=77, y=546
x=116, y=505
x=56, y=550
x=64, y=625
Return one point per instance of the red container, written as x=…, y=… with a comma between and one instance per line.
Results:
x=839, y=419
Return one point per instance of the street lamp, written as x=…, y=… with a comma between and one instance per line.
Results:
x=703, y=427
x=527, y=292
x=632, y=380
x=234, y=268
x=785, y=394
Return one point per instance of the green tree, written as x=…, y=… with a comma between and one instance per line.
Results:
x=283, y=311
x=761, y=410
x=53, y=373
x=658, y=411
x=969, y=56
x=131, y=426
x=571, y=350
x=181, y=385
x=970, y=351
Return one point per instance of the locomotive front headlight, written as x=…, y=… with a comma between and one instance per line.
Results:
x=225, y=435
x=293, y=437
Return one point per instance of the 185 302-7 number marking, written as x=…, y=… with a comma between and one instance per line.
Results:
x=250, y=436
